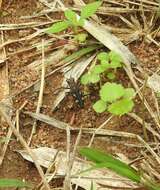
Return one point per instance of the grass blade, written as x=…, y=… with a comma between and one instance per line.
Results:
x=80, y=53
x=105, y=160
x=13, y=183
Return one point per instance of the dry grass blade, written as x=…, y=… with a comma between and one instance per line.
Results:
x=153, y=153
x=52, y=59
x=23, y=142
x=4, y=148
x=40, y=98
x=67, y=180
x=101, y=177
x=147, y=125
x=17, y=115
x=4, y=92
x=61, y=125
x=0, y=4
x=20, y=39
x=99, y=128
x=22, y=25
x=148, y=165
x=9, y=134
x=111, y=42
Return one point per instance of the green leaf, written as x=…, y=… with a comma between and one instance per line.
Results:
x=103, y=56
x=98, y=69
x=81, y=37
x=115, y=60
x=81, y=22
x=85, y=79
x=71, y=16
x=105, y=160
x=115, y=57
x=90, y=78
x=94, y=78
x=57, y=27
x=13, y=183
x=121, y=107
x=90, y=9
x=121, y=170
x=115, y=64
x=111, y=92
x=80, y=53
x=100, y=106
x=105, y=64
x=111, y=76
x=129, y=93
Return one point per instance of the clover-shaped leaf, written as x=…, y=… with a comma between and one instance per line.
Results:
x=129, y=93
x=115, y=64
x=115, y=56
x=111, y=75
x=121, y=107
x=85, y=79
x=105, y=64
x=90, y=78
x=100, y=106
x=111, y=92
x=94, y=78
x=97, y=69
x=103, y=56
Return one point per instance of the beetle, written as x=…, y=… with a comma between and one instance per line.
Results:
x=75, y=91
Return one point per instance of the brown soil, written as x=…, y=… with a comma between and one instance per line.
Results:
x=20, y=76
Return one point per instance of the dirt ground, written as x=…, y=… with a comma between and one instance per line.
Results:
x=20, y=76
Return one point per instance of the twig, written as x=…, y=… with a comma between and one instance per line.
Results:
x=100, y=127
x=149, y=149
x=61, y=125
x=23, y=142
x=4, y=84
x=48, y=171
x=143, y=119
x=23, y=25
x=40, y=98
x=59, y=161
x=0, y=4
x=156, y=104
x=147, y=125
x=9, y=134
x=67, y=180
x=4, y=149
x=17, y=115
x=75, y=148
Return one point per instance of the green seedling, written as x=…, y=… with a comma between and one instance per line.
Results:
x=114, y=98
x=73, y=20
x=109, y=62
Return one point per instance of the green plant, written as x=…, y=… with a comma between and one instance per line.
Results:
x=113, y=97
x=13, y=183
x=109, y=62
x=103, y=160
x=74, y=21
